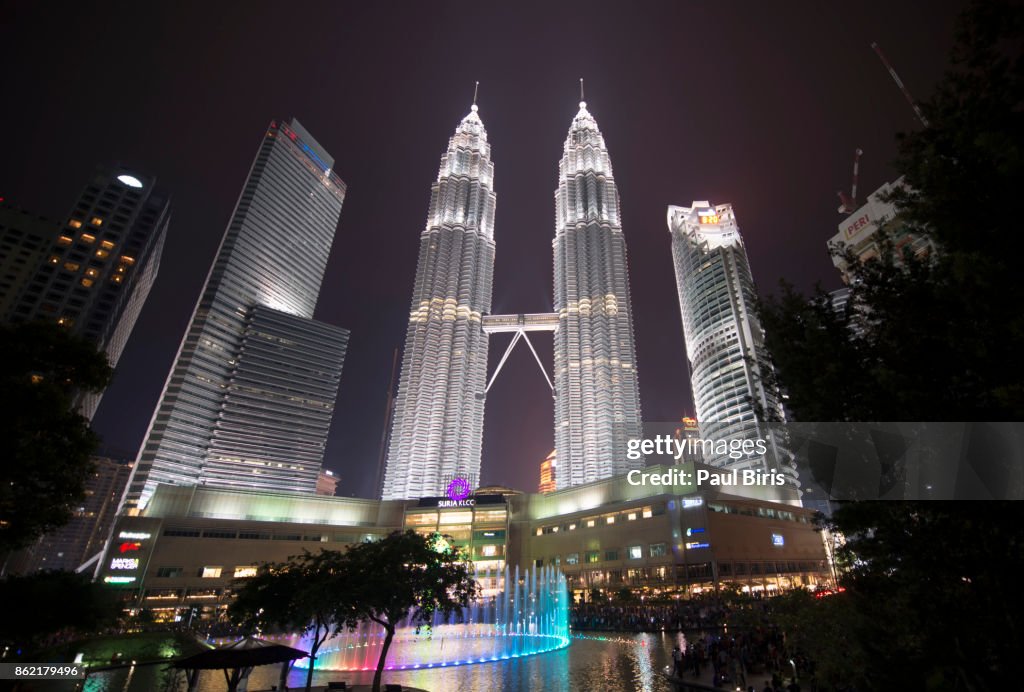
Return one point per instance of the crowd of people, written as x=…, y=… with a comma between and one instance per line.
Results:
x=682, y=615
x=741, y=659
x=753, y=658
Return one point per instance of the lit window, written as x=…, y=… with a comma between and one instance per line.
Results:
x=631, y=516
x=243, y=572
x=127, y=260
x=64, y=240
x=91, y=271
x=489, y=550
x=609, y=520
x=593, y=556
x=106, y=245
x=210, y=572
x=539, y=531
x=648, y=513
x=54, y=259
x=102, y=254
x=572, y=527
x=96, y=221
x=636, y=552
x=116, y=278
x=87, y=282
x=590, y=523
x=75, y=223
x=36, y=378
x=88, y=238
x=71, y=266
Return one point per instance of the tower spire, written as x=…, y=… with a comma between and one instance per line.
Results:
x=582, y=101
x=475, y=89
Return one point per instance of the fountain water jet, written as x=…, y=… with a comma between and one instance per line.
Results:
x=529, y=616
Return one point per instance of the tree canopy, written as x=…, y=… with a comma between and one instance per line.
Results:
x=934, y=338
x=46, y=444
x=38, y=606
x=403, y=576
x=931, y=599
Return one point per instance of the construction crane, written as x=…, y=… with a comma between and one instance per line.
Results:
x=848, y=205
x=899, y=83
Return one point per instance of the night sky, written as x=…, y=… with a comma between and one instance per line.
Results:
x=757, y=104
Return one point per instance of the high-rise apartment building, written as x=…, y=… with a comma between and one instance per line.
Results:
x=724, y=339
x=98, y=269
x=327, y=483
x=438, y=422
x=549, y=473
x=24, y=240
x=597, y=397
x=251, y=393
x=858, y=232
x=85, y=534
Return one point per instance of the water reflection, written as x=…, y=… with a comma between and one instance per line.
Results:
x=593, y=661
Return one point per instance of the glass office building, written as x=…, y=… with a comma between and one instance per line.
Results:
x=250, y=395
x=724, y=339
x=597, y=397
x=438, y=424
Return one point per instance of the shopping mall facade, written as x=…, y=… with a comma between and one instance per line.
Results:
x=191, y=546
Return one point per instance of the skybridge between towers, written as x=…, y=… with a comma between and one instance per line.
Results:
x=519, y=325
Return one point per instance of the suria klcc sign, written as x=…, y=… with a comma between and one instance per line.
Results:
x=458, y=494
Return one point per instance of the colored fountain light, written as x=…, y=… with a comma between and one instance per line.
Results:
x=529, y=616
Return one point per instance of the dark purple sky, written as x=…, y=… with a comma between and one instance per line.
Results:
x=758, y=104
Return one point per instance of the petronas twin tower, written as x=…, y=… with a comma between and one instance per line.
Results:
x=438, y=423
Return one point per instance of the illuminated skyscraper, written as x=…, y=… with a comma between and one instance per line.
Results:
x=597, y=397
x=724, y=339
x=439, y=413
x=251, y=393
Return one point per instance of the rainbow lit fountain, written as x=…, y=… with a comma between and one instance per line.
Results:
x=530, y=616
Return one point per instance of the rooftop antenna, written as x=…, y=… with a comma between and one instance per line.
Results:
x=899, y=83
x=581, y=90
x=848, y=205
x=475, y=89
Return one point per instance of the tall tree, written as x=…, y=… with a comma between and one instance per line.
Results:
x=46, y=444
x=301, y=595
x=935, y=339
x=405, y=576
x=27, y=623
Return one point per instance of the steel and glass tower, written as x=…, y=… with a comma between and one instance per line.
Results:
x=251, y=393
x=439, y=413
x=597, y=397
x=724, y=339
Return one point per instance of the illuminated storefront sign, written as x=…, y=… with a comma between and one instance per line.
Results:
x=134, y=535
x=690, y=532
x=118, y=580
x=124, y=563
x=474, y=501
x=129, y=547
x=777, y=539
x=689, y=502
x=696, y=546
